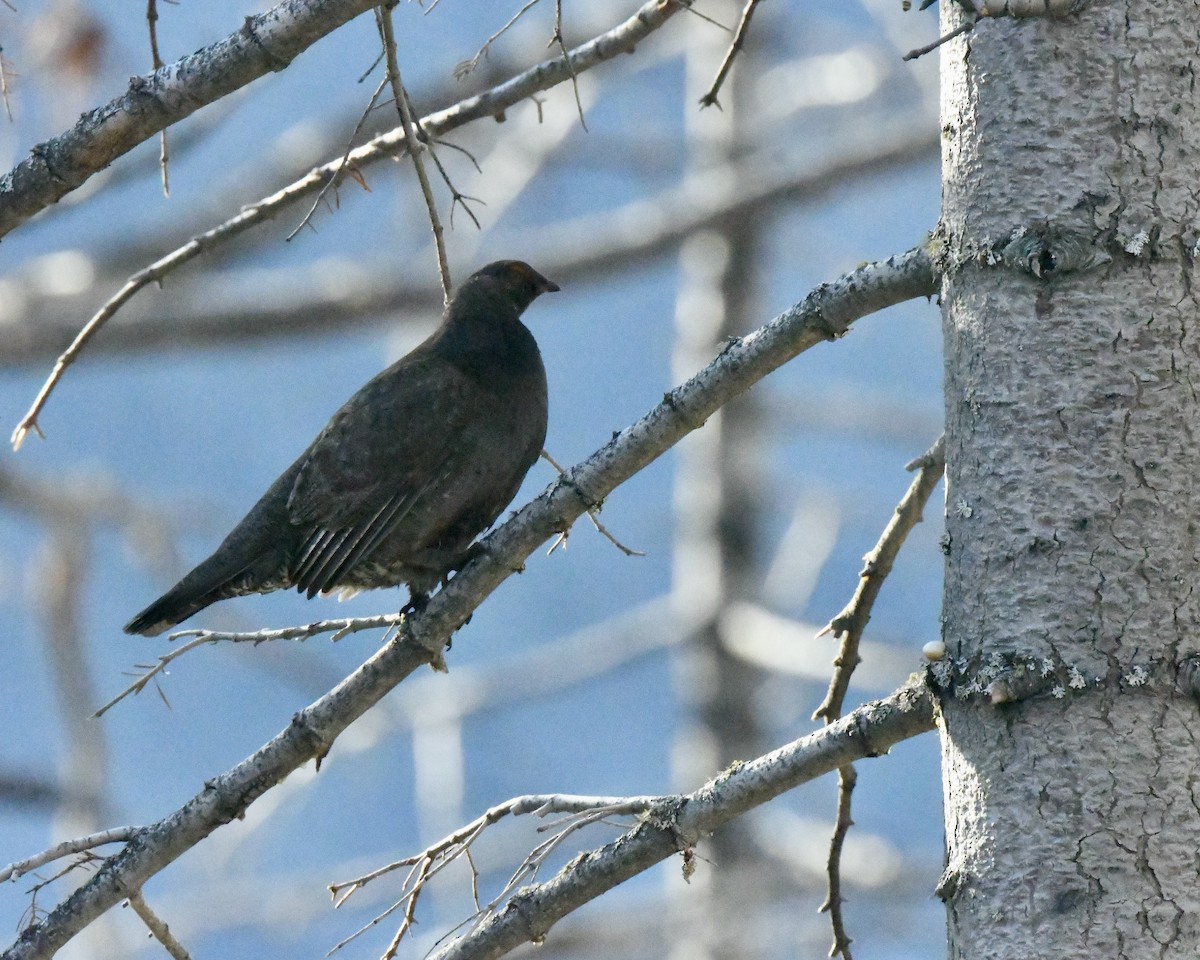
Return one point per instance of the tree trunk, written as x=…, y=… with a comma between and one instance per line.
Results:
x=1072, y=365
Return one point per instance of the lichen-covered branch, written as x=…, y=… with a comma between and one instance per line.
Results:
x=264, y=43
x=681, y=822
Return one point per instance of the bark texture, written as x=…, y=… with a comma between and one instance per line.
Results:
x=1072, y=361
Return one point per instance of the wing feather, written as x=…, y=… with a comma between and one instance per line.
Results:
x=386, y=452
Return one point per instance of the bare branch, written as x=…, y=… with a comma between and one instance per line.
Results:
x=975, y=10
x=852, y=621
x=265, y=43
x=735, y=46
x=157, y=64
x=582, y=812
x=825, y=314
x=682, y=822
x=965, y=27
x=850, y=625
x=66, y=849
x=158, y=929
x=847, y=779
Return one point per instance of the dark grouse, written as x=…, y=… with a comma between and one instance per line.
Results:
x=406, y=474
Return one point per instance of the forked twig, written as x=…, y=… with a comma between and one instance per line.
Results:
x=424, y=866
x=849, y=625
x=464, y=68
x=591, y=512
x=335, y=176
x=456, y=198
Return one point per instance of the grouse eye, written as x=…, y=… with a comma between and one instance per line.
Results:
x=522, y=275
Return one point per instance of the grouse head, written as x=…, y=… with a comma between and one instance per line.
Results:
x=513, y=280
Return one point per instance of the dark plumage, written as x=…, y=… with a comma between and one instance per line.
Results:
x=406, y=474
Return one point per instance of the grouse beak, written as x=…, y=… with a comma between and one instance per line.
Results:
x=549, y=286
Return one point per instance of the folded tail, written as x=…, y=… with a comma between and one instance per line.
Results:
x=213, y=580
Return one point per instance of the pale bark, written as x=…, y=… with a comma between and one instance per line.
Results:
x=1071, y=369
x=678, y=823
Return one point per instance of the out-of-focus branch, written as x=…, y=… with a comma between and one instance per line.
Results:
x=265, y=43
x=824, y=314
x=326, y=299
x=681, y=822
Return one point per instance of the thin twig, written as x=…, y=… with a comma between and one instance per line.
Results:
x=592, y=515
x=66, y=848
x=415, y=148
x=464, y=68
x=607, y=45
x=335, y=178
x=558, y=38
x=157, y=62
x=160, y=931
x=150, y=673
x=965, y=27
x=690, y=8
x=456, y=198
x=739, y=38
x=847, y=779
x=339, y=628
x=850, y=625
x=581, y=812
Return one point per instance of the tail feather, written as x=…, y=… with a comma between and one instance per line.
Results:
x=208, y=583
